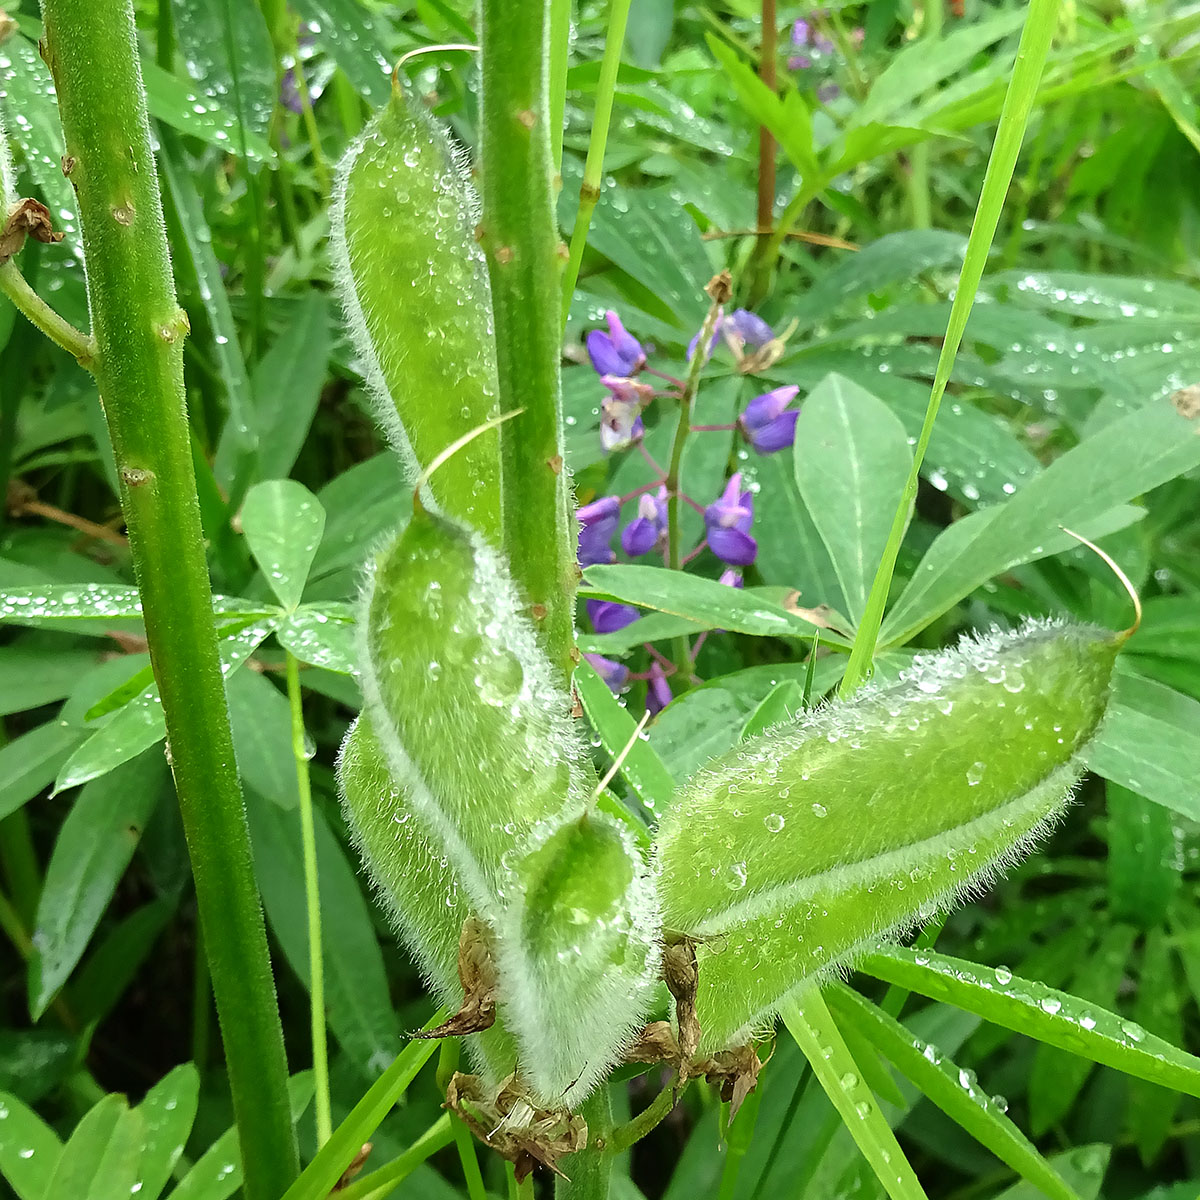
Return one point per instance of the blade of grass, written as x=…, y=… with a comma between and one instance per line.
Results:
x=1018, y=103
x=809, y=1022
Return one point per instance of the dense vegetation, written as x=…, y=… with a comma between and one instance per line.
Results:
x=781, y=228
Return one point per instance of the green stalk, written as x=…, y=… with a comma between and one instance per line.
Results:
x=38, y=312
x=591, y=1167
x=520, y=239
x=918, y=178
x=312, y=902
x=139, y=328
x=593, y=168
x=1018, y=103
x=382, y=1182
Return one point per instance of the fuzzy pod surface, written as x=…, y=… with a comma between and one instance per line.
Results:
x=463, y=701
x=8, y=190
x=414, y=287
x=807, y=843
x=579, y=953
x=413, y=878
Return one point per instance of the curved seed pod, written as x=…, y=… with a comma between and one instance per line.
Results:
x=464, y=704
x=414, y=880
x=808, y=842
x=578, y=954
x=414, y=286
x=8, y=191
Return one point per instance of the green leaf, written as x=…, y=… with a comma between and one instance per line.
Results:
x=347, y=31
x=642, y=769
x=1144, y=858
x=783, y=704
x=1057, y=1078
x=955, y=1091
x=1125, y=459
x=29, y=1149
x=851, y=460
x=34, y=1061
x=286, y=385
x=34, y=672
x=1148, y=744
x=229, y=56
x=710, y=604
x=261, y=721
x=283, y=523
x=217, y=1173
x=168, y=1110
x=1101, y=297
x=1083, y=1168
x=1040, y=1012
x=100, y=1160
x=139, y=724
x=29, y=762
x=323, y=636
x=359, y=1008
x=809, y=1022
x=94, y=846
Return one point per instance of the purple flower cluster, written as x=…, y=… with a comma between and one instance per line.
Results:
x=768, y=423
x=813, y=49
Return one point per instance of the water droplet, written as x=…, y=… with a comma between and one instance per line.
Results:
x=819, y=810
x=1003, y=976
x=975, y=773
x=774, y=822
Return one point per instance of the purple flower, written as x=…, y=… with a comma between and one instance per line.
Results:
x=731, y=578
x=828, y=92
x=616, y=352
x=658, y=690
x=749, y=327
x=607, y=616
x=823, y=44
x=766, y=424
x=801, y=32
x=615, y=674
x=649, y=528
x=597, y=523
x=620, y=411
x=728, y=521
x=799, y=62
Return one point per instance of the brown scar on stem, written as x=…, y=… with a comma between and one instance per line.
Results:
x=1187, y=401
x=504, y=255
x=555, y=463
x=527, y=117
x=477, y=974
x=136, y=477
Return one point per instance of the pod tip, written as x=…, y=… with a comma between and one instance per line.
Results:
x=451, y=450
x=1126, y=583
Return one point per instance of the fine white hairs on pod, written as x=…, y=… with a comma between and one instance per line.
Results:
x=8, y=190
x=578, y=946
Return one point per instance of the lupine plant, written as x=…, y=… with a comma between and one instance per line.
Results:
x=620, y=867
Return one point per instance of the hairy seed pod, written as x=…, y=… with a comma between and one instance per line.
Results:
x=807, y=843
x=464, y=702
x=414, y=880
x=414, y=286
x=8, y=191
x=578, y=952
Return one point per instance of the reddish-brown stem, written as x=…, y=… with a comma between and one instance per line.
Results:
x=766, y=142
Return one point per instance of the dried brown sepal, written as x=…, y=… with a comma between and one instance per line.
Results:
x=681, y=977
x=656, y=1043
x=477, y=974
x=720, y=288
x=356, y=1165
x=514, y=1126
x=735, y=1072
x=1187, y=401
x=28, y=218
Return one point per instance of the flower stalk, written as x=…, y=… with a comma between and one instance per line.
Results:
x=139, y=329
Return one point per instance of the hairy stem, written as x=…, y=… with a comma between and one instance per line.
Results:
x=591, y=1167
x=312, y=902
x=139, y=329
x=520, y=239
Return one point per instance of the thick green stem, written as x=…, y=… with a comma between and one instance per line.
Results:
x=312, y=902
x=520, y=238
x=139, y=330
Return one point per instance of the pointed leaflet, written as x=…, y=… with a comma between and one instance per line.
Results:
x=415, y=291
x=851, y=459
x=802, y=845
x=283, y=523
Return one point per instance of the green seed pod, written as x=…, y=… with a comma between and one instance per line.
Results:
x=413, y=879
x=809, y=842
x=578, y=954
x=8, y=190
x=464, y=703
x=414, y=286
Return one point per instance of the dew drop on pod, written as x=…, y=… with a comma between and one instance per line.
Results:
x=414, y=287
x=813, y=840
